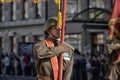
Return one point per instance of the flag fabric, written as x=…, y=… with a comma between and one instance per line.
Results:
x=114, y=22
x=114, y=38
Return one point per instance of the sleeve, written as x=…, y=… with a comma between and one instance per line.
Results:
x=42, y=51
x=70, y=46
x=68, y=68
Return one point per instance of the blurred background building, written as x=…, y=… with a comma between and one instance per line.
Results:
x=86, y=24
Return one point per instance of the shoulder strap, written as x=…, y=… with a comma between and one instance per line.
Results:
x=54, y=60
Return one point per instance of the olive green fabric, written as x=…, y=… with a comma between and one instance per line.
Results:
x=50, y=22
x=42, y=55
x=112, y=56
x=114, y=72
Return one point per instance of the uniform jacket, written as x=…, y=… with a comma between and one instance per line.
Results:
x=113, y=60
x=42, y=55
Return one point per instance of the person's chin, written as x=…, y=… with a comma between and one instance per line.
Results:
x=57, y=37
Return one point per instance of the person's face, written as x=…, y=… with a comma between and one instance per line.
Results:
x=54, y=32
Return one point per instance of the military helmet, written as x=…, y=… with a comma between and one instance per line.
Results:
x=50, y=22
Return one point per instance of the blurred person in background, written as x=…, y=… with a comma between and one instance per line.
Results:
x=0, y=64
x=95, y=67
x=76, y=65
x=7, y=64
x=113, y=57
x=83, y=67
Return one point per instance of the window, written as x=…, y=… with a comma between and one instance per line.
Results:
x=23, y=38
x=0, y=12
x=25, y=47
x=14, y=10
x=96, y=3
x=98, y=42
x=11, y=10
x=74, y=40
x=98, y=14
x=26, y=9
x=11, y=43
x=0, y=42
x=39, y=10
x=26, y=38
x=71, y=8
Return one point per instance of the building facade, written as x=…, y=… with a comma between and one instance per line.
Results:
x=86, y=24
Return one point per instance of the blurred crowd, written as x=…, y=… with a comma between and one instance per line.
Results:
x=17, y=65
x=89, y=66
x=85, y=67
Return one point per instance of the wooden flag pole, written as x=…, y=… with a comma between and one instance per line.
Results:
x=62, y=38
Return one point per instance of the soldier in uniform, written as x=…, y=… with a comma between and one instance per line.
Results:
x=46, y=54
x=113, y=53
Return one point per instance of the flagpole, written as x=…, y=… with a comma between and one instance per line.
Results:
x=62, y=38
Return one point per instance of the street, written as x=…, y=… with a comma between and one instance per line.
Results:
x=16, y=78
